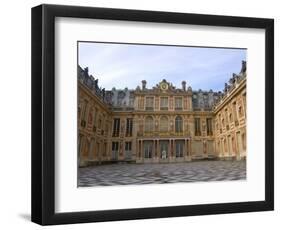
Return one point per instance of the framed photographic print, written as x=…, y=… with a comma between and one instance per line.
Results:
x=143, y=114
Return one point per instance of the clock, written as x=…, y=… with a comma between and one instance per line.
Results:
x=164, y=86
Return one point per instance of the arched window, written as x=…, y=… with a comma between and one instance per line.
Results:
x=90, y=116
x=178, y=124
x=164, y=124
x=149, y=124
x=225, y=146
x=244, y=141
x=79, y=111
x=240, y=111
x=230, y=117
x=100, y=122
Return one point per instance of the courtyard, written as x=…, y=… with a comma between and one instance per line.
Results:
x=131, y=174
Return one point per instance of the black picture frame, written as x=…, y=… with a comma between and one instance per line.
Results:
x=43, y=114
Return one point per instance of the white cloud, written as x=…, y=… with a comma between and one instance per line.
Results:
x=120, y=66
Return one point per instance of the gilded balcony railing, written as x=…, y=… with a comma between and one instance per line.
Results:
x=179, y=133
x=162, y=134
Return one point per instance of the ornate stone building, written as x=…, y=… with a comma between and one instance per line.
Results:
x=161, y=124
x=230, y=118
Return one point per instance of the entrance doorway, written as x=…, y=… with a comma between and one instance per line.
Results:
x=148, y=148
x=128, y=150
x=115, y=148
x=164, y=149
x=179, y=148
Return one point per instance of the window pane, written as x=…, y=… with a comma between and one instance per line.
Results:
x=164, y=103
x=129, y=127
x=164, y=124
x=197, y=127
x=149, y=124
x=178, y=103
x=149, y=103
x=116, y=127
x=178, y=124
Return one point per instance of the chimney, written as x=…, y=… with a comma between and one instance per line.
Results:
x=183, y=83
x=143, y=84
x=244, y=67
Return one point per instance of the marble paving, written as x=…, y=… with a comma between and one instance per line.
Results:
x=131, y=174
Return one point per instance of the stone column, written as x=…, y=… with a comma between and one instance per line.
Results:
x=174, y=148
x=221, y=147
x=101, y=150
x=189, y=148
x=228, y=147
x=109, y=149
x=141, y=153
x=153, y=149
x=133, y=150
x=185, y=148
x=105, y=150
x=158, y=148
x=137, y=148
x=170, y=148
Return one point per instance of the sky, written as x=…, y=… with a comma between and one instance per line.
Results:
x=126, y=65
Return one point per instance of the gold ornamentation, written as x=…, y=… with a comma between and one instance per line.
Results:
x=163, y=86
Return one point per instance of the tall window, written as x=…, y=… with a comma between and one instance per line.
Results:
x=148, y=148
x=164, y=103
x=209, y=127
x=115, y=146
x=226, y=119
x=179, y=148
x=240, y=111
x=164, y=124
x=128, y=146
x=116, y=127
x=84, y=109
x=197, y=127
x=234, y=111
x=99, y=122
x=226, y=115
x=149, y=124
x=244, y=141
x=129, y=127
x=178, y=103
x=223, y=123
x=244, y=101
x=178, y=124
x=230, y=117
x=149, y=103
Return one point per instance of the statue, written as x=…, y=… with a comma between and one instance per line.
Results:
x=164, y=154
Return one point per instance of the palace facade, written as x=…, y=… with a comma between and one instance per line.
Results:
x=160, y=124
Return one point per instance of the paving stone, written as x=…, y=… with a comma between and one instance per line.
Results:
x=129, y=174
